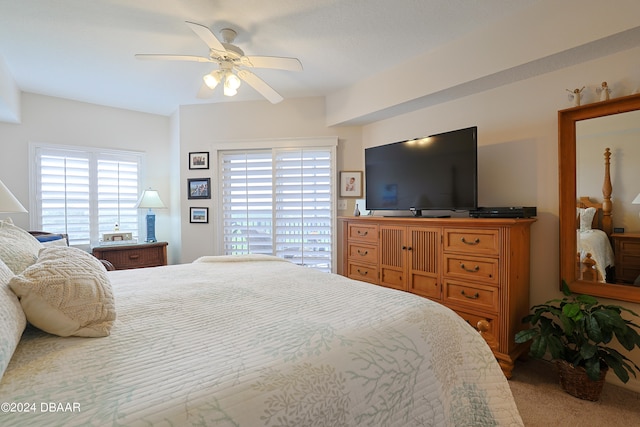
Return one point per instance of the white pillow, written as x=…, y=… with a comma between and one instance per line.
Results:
x=66, y=292
x=586, y=218
x=18, y=248
x=12, y=319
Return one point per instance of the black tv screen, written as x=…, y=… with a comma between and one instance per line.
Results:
x=438, y=172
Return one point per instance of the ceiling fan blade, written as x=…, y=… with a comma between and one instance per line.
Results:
x=207, y=36
x=154, y=56
x=205, y=92
x=258, y=84
x=275, y=62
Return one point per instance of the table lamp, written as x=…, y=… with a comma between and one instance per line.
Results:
x=636, y=201
x=150, y=199
x=8, y=202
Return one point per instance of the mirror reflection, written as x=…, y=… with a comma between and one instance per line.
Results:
x=599, y=145
x=607, y=182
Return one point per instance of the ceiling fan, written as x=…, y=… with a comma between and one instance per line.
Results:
x=232, y=64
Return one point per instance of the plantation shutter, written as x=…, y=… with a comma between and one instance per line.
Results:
x=278, y=202
x=63, y=195
x=247, y=205
x=303, y=214
x=85, y=193
x=117, y=195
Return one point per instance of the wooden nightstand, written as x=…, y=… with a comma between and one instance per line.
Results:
x=133, y=256
x=627, y=250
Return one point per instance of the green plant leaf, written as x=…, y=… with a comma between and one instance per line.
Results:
x=588, y=351
x=571, y=310
x=618, y=366
x=526, y=335
x=567, y=323
x=565, y=288
x=556, y=347
x=593, y=368
x=593, y=329
x=586, y=299
x=538, y=347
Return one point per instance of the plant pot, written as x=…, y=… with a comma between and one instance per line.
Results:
x=576, y=382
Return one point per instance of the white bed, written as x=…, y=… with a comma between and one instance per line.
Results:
x=595, y=243
x=258, y=341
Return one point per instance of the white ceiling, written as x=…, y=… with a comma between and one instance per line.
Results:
x=84, y=49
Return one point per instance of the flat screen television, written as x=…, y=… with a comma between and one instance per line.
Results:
x=438, y=172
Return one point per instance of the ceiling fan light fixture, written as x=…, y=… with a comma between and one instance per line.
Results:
x=232, y=81
x=212, y=79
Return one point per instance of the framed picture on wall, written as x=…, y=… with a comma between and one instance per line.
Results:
x=199, y=215
x=350, y=184
x=199, y=160
x=199, y=188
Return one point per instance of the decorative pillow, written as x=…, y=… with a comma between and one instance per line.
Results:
x=586, y=218
x=66, y=292
x=52, y=240
x=18, y=248
x=12, y=319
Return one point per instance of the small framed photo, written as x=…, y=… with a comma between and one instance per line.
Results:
x=199, y=160
x=199, y=215
x=350, y=184
x=199, y=188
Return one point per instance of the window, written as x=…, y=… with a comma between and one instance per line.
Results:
x=85, y=192
x=279, y=202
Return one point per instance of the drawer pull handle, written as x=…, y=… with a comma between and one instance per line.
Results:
x=134, y=256
x=361, y=273
x=362, y=233
x=470, y=270
x=474, y=296
x=362, y=253
x=475, y=242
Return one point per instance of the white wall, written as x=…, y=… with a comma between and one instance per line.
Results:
x=60, y=121
x=518, y=149
x=204, y=127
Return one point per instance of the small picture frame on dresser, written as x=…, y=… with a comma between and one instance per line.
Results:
x=199, y=215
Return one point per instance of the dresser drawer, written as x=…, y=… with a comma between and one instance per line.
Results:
x=363, y=232
x=486, y=325
x=363, y=272
x=484, y=270
x=474, y=296
x=475, y=242
x=360, y=252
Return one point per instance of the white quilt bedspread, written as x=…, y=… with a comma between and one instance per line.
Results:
x=596, y=242
x=257, y=341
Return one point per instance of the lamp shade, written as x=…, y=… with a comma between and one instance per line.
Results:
x=8, y=202
x=150, y=199
x=636, y=201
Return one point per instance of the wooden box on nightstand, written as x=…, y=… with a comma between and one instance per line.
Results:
x=133, y=256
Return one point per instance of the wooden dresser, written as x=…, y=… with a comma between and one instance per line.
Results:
x=477, y=267
x=133, y=256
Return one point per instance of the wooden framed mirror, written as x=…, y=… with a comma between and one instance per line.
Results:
x=570, y=257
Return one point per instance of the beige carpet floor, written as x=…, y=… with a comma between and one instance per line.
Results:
x=542, y=402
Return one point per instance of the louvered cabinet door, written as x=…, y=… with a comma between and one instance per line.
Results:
x=393, y=257
x=424, y=261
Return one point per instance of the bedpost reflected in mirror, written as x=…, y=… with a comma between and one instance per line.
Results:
x=599, y=224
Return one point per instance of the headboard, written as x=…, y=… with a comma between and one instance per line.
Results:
x=602, y=220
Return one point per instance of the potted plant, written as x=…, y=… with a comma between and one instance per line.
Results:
x=576, y=330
